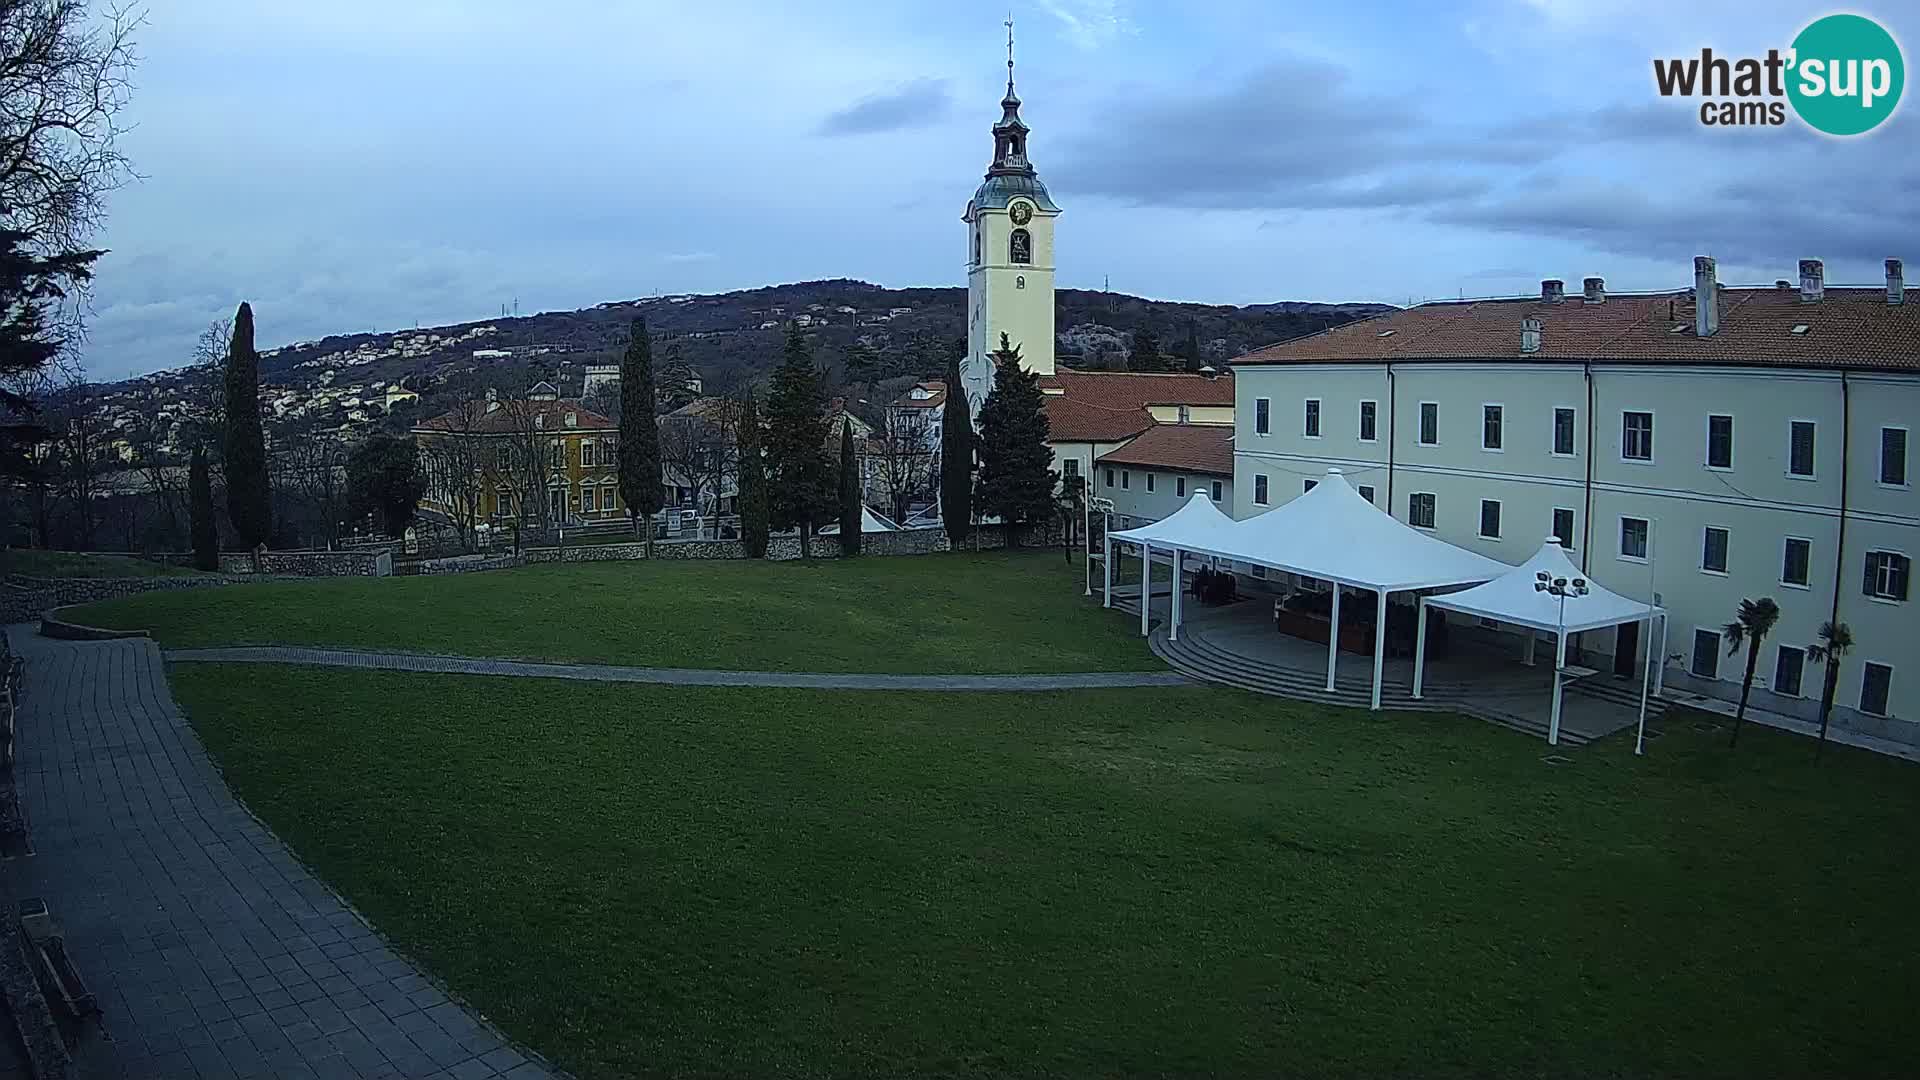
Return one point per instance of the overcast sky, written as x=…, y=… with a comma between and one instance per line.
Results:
x=369, y=164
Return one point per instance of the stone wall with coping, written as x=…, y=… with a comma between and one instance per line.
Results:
x=26, y=598
x=779, y=549
x=311, y=563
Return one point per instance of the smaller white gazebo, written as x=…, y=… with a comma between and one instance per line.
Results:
x=1198, y=526
x=1547, y=592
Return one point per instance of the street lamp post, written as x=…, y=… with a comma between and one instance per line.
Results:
x=1104, y=507
x=1562, y=588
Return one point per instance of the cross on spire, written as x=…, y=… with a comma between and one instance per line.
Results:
x=1009, y=53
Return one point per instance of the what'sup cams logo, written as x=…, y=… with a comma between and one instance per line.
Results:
x=1842, y=76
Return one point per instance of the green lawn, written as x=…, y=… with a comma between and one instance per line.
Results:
x=75, y=564
x=942, y=614
x=718, y=882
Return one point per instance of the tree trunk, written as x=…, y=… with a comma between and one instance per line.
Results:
x=1826, y=705
x=1746, y=689
x=806, y=534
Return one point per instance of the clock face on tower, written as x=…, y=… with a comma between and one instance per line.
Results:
x=1022, y=213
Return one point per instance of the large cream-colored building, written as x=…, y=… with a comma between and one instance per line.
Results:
x=1706, y=445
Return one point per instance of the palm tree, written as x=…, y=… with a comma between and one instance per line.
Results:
x=1753, y=622
x=1836, y=640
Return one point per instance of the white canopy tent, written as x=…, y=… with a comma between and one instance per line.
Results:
x=1331, y=533
x=1191, y=528
x=1547, y=592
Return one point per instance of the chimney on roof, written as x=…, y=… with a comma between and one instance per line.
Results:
x=1595, y=290
x=1208, y=371
x=1553, y=290
x=1529, y=335
x=1706, y=297
x=493, y=399
x=1896, y=283
x=1813, y=280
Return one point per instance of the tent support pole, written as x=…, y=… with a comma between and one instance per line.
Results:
x=1660, y=669
x=1379, y=647
x=1559, y=665
x=1333, y=637
x=1420, y=648
x=1173, y=628
x=1146, y=587
x=1526, y=656
x=1106, y=573
x=1646, y=681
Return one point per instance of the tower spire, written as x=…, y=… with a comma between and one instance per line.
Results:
x=1010, y=134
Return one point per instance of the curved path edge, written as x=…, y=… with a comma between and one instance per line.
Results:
x=464, y=665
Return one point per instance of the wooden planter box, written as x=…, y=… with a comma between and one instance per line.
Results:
x=1354, y=638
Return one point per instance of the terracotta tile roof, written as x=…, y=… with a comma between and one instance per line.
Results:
x=934, y=400
x=1071, y=420
x=1137, y=389
x=509, y=416
x=1848, y=327
x=1201, y=448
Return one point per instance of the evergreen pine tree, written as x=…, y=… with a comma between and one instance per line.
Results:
x=1145, y=355
x=752, y=481
x=244, y=458
x=1016, y=484
x=851, y=503
x=956, y=457
x=638, y=453
x=206, y=535
x=800, y=483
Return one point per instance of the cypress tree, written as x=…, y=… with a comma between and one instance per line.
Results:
x=800, y=485
x=850, y=501
x=956, y=458
x=753, y=481
x=638, y=456
x=249, y=504
x=206, y=535
x=1016, y=484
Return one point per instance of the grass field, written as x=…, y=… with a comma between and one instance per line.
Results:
x=655, y=881
x=936, y=614
x=76, y=564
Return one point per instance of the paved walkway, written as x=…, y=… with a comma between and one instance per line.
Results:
x=213, y=952
x=460, y=665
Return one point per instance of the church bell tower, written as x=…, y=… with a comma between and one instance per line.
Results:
x=1010, y=256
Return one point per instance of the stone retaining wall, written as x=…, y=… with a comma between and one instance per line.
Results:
x=26, y=598
x=311, y=563
x=779, y=549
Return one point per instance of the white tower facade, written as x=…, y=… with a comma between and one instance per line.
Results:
x=1009, y=257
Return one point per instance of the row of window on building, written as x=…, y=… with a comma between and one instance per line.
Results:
x=1886, y=576
x=1636, y=435
x=1125, y=477
x=1789, y=671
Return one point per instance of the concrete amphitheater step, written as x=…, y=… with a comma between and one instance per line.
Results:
x=1200, y=661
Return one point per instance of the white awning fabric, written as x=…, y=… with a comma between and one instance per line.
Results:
x=1511, y=597
x=1198, y=526
x=1330, y=532
x=870, y=522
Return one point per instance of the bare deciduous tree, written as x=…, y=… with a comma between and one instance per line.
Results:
x=455, y=459
x=902, y=452
x=698, y=452
x=65, y=81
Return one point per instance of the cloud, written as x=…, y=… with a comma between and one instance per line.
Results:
x=1089, y=24
x=914, y=104
x=1640, y=179
x=689, y=257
